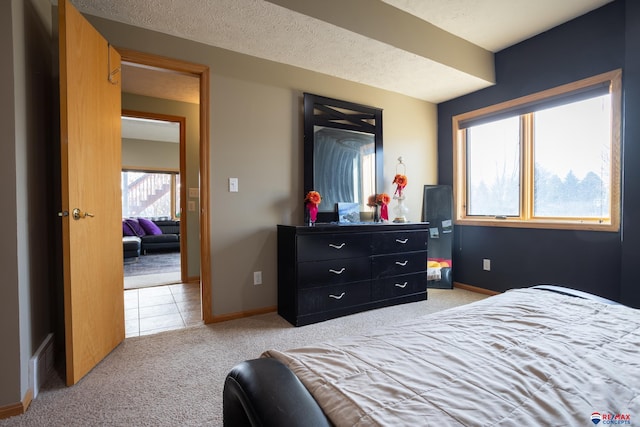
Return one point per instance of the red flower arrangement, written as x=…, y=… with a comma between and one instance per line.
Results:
x=401, y=182
x=383, y=200
x=312, y=200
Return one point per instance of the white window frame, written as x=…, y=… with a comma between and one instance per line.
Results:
x=175, y=182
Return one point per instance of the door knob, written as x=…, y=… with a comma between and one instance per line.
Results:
x=78, y=214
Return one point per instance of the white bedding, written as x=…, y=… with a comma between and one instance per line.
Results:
x=523, y=358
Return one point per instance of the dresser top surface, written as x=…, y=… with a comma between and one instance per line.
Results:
x=361, y=227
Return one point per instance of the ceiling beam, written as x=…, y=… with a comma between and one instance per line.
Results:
x=382, y=22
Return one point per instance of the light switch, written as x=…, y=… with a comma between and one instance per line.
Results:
x=233, y=185
x=191, y=205
x=193, y=192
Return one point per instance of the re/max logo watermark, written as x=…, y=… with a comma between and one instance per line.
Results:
x=608, y=418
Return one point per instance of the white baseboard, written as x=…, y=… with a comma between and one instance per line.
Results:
x=41, y=365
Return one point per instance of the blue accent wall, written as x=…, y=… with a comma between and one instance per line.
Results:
x=630, y=265
x=603, y=263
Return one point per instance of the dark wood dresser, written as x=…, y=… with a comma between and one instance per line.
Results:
x=332, y=270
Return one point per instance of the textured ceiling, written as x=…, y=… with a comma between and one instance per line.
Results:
x=414, y=47
x=160, y=83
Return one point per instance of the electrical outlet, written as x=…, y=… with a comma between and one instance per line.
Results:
x=257, y=277
x=486, y=264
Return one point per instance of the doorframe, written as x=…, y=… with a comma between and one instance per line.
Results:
x=182, y=167
x=202, y=72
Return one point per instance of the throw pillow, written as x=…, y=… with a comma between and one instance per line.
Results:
x=127, y=230
x=149, y=227
x=135, y=226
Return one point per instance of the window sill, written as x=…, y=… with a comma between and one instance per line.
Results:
x=539, y=224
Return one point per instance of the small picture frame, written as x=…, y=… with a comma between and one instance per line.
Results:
x=348, y=213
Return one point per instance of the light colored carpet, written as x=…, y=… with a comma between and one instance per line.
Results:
x=176, y=378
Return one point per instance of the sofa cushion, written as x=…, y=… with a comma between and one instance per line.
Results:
x=131, y=246
x=149, y=227
x=136, y=227
x=160, y=238
x=131, y=242
x=127, y=230
x=168, y=226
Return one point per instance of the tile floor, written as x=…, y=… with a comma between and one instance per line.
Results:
x=161, y=308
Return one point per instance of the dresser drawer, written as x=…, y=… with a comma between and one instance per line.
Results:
x=333, y=297
x=399, y=285
x=314, y=273
x=401, y=241
x=314, y=247
x=397, y=264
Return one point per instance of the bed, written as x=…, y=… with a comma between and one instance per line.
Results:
x=538, y=356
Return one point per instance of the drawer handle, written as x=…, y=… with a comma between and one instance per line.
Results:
x=402, y=264
x=402, y=241
x=403, y=285
x=340, y=246
x=337, y=271
x=336, y=296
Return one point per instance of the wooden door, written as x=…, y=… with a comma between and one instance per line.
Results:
x=90, y=103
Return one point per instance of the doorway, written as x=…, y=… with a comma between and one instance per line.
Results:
x=157, y=295
x=156, y=77
x=152, y=178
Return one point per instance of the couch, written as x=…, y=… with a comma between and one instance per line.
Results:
x=150, y=234
x=131, y=246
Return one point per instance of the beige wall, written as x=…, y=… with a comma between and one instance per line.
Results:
x=256, y=136
x=10, y=312
x=27, y=159
x=140, y=153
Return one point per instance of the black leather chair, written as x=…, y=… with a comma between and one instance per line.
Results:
x=264, y=392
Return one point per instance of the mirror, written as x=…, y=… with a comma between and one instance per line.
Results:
x=342, y=153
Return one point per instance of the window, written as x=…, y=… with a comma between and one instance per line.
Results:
x=150, y=194
x=493, y=152
x=548, y=160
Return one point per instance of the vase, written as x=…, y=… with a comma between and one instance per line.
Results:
x=400, y=210
x=384, y=213
x=312, y=214
x=308, y=221
x=376, y=215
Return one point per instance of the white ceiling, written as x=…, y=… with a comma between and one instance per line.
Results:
x=365, y=41
x=152, y=130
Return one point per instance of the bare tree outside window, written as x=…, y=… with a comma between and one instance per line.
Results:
x=493, y=165
x=572, y=164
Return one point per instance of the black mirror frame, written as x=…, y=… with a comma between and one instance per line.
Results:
x=337, y=114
